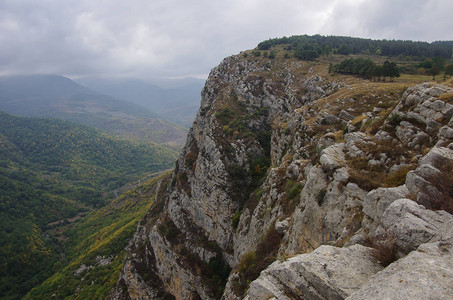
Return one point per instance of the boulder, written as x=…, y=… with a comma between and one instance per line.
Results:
x=326, y=273
x=411, y=224
x=423, y=274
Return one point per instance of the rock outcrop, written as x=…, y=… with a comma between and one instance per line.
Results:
x=423, y=274
x=298, y=185
x=326, y=273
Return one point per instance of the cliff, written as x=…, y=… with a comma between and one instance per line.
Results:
x=296, y=184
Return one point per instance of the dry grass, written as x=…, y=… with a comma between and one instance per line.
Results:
x=447, y=97
x=386, y=250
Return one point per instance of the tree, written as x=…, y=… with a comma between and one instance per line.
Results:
x=439, y=62
x=303, y=54
x=427, y=64
x=449, y=70
x=266, y=45
x=345, y=49
x=378, y=72
x=390, y=69
x=435, y=70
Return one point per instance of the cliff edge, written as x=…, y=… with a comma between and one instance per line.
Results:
x=297, y=184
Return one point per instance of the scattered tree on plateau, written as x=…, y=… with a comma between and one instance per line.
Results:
x=366, y=68
x=449, y=70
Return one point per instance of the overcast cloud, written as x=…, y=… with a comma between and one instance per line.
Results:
x=177, y=38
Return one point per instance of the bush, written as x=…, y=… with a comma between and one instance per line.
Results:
x=235, y=220
x=190, y=159
x=306, y=54
x=386, y=249
x=257, y=53
x=252, y=263
x=397, y=177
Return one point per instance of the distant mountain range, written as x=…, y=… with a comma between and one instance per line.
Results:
x=173, y=100
x=59, y=97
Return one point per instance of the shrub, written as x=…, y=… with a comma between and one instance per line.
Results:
x=235, y=219
x=190, y=159
x=397, y=177
x=292, y=198
x=306, y=54
x=386, y=249
x=224, y=115
x=252, y=263
x=168, y=229
x=295, y=191
x=394, y=120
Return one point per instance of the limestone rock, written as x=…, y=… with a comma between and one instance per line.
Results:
x=424, y=274
x=377, y=201
x=326, y=273
x=332, y=157
x=411, y=224
x=263, y=154
x=431, y=181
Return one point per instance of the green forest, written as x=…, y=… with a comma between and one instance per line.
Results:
x=415, y=57
x=102, y=233
x=316, y=45
x=51, y=173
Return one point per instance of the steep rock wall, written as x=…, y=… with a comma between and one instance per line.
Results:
x=282, y=159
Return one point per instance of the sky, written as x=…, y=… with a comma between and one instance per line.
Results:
x=187, y=38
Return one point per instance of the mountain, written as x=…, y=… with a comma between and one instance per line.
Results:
x=178, y=102
x=52, y=96
x=53, y=172
x=299, y=183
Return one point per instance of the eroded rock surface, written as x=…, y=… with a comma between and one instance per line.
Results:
x=326, y=273
x=284, y=164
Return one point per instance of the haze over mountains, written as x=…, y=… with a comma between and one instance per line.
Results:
x=173, y=100
x=59, y=97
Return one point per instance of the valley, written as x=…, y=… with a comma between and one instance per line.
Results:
x=52, y=173
x=52, y=96
x=310, y=171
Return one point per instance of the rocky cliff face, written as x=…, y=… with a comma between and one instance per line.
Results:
x=332, y=186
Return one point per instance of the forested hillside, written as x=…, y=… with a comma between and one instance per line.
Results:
x=52, y=172
x=350, y=45
x=95, y=248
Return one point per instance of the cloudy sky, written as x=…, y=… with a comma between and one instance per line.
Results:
x=181, y=38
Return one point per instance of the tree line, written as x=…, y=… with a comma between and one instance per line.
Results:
x=310, y=46
x=366, y=68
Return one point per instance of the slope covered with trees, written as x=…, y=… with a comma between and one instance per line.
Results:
x=98, y=242
x=51, y=172
x=350, y=45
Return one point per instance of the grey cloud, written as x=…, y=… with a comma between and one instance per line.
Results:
x=176, y=38
x=393, y=19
